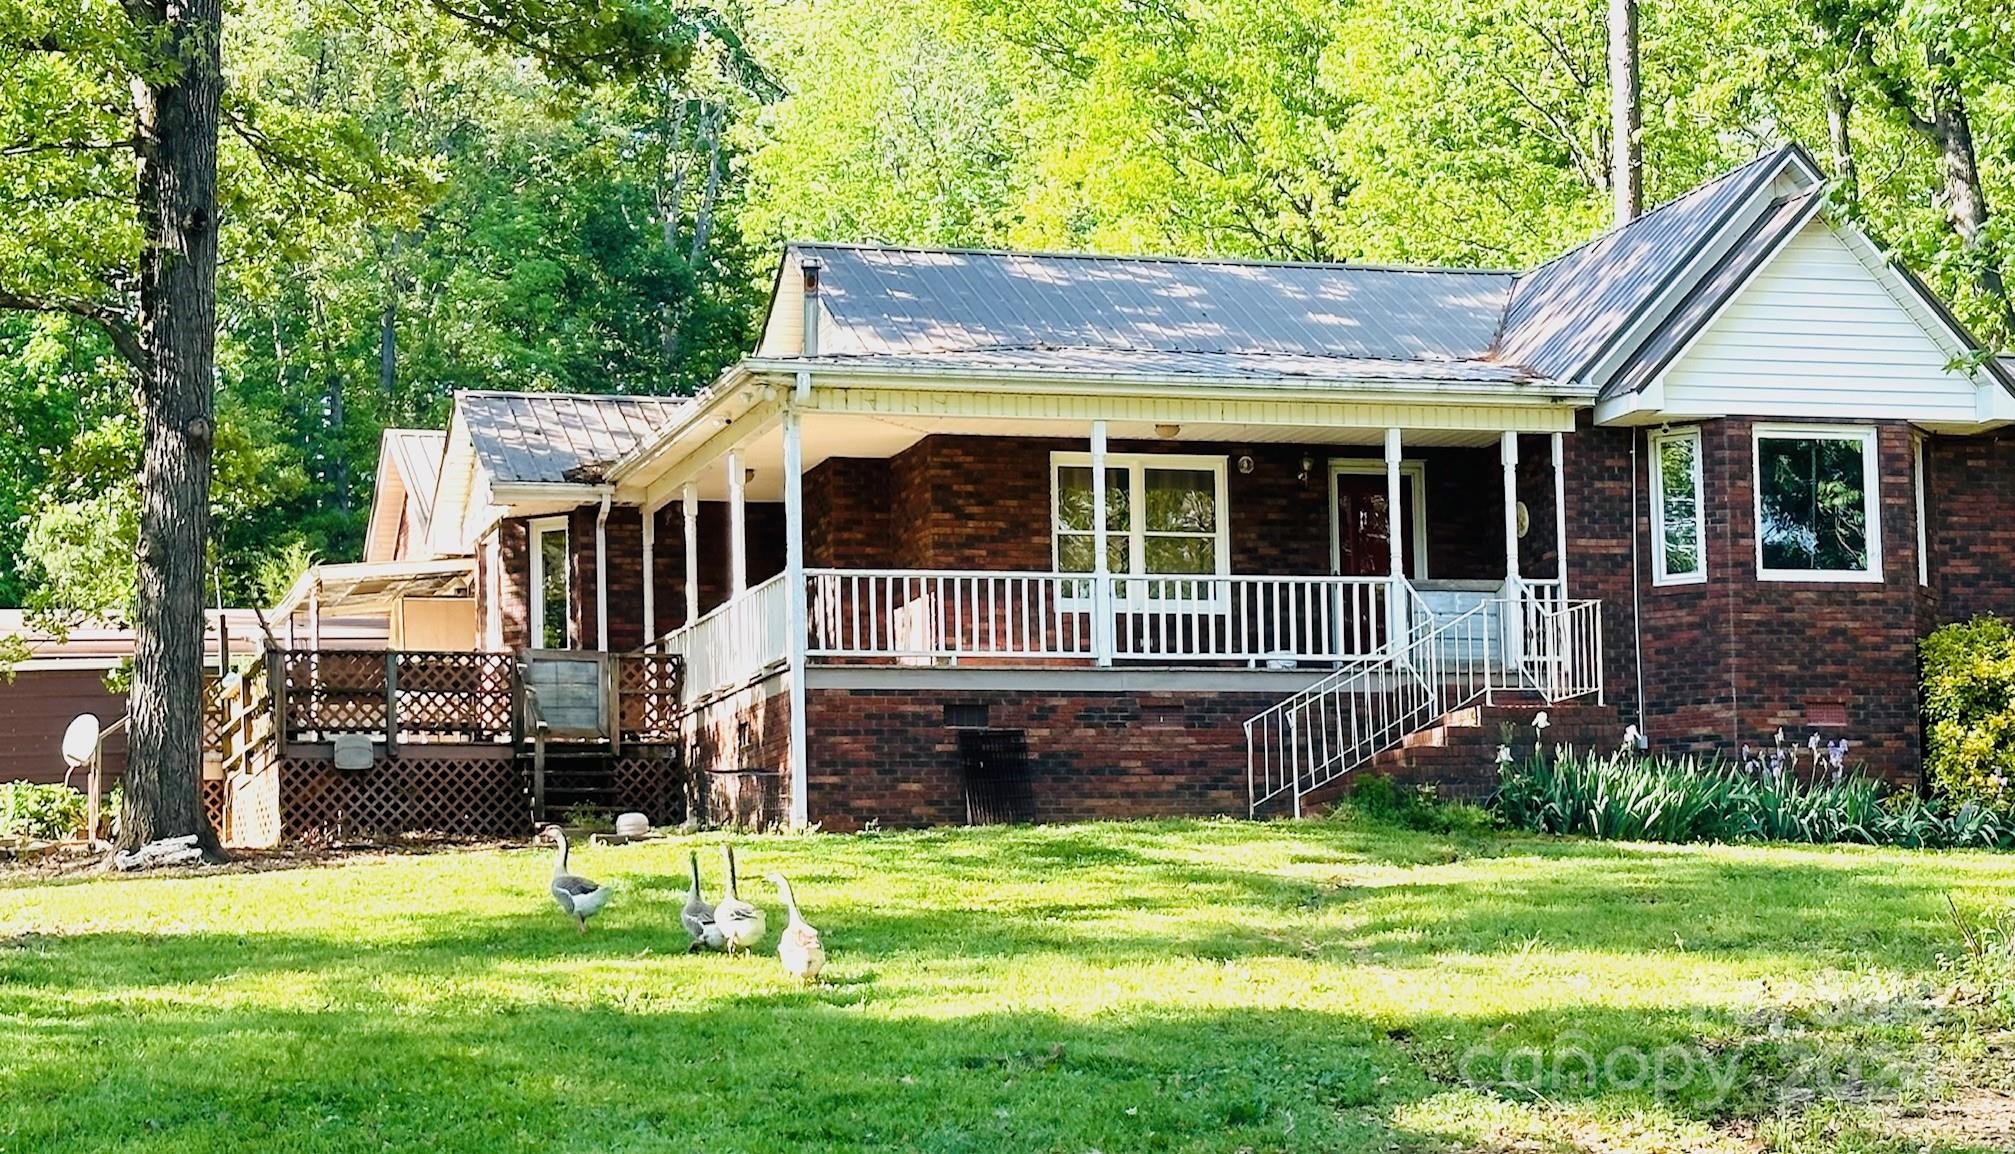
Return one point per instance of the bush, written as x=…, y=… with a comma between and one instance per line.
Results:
x=1418, y=808
x=1634, y=797
x=1969, y=705
x=40, y=811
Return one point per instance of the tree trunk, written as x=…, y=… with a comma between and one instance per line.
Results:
x=1626, y=117
x=176, y=110
x=1839, y=121
x=1966, y=199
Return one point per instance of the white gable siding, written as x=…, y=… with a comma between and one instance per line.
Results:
x=1817, y=334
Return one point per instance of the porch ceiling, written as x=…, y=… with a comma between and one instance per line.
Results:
x=859, y=435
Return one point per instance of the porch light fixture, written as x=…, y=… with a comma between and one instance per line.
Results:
x=1168, y=432
x=1307, y=467
x=1245, y=463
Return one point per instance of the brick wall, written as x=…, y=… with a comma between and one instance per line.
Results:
x=1729, y=661
x=956, y=502
x=1969, y=487
x=514, y=562
x=888, y=754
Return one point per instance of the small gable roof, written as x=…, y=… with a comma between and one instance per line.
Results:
x=557, y=438
x=1567, y=312
x=409, y=469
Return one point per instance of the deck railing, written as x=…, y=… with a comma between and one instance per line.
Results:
x=734, y=642
x=951, y=615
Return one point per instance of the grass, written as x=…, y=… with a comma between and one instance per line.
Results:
x=1170, y=986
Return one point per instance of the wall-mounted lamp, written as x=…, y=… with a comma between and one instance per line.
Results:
x=1307, y=467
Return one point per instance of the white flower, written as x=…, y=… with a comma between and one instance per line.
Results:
x=1540, y=720
x=1504, y=755
x=1780, y=739
x=1633, y=738
x=1812, y=743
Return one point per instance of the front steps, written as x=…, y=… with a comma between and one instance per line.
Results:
x=1457, y=755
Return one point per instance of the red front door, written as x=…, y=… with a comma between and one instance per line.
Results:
x=1362, y=526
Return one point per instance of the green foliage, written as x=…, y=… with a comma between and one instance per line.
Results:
x=40, y=811
x=1381, y=799
x=1969, y=710
x=1984, y=962
x=1628, y=796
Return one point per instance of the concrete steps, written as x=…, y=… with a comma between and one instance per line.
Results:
x=1457, y=755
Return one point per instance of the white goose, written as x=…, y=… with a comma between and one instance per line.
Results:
x=578, y=897
x=698, y=915
x=741, y=924
x=799, y=949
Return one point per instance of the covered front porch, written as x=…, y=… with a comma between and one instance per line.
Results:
x=922, y=539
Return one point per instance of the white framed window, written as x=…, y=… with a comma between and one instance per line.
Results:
x=1678, y=515
x=1165, y=517
x=1818, y=503
x=1923, y=533
x=551, y=584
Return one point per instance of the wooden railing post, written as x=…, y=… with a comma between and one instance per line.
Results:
x=392, y=703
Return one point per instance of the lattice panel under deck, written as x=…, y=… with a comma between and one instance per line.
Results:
x=469, y=793
x=652, y=783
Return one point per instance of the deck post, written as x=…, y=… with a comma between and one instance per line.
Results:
x=738, y=528
x=391, y=703
x=794, y=610
x=315, y=613
x=1101, y=586
x=1560, y=513
x=1395, y=526
x=689, y=506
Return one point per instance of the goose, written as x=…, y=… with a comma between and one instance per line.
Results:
x=741, y=924
x=578, y=897
x=800, y=949
x=698, y=914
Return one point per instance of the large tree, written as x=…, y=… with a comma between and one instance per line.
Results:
x=110, y=118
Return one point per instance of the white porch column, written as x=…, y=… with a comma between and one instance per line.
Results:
x=1560, y=513
x=1395, y=528
x=689, y=505
x=650, y=532
x=794, y=611
x=602, y=577
x=1101, y=588
x=1508, y=452
x=738, y=526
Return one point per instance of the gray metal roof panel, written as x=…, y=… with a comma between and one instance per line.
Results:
x=1784, y=218
x=553, y=438
x=882, y=301
x=1257, y=367
x=1567, y=311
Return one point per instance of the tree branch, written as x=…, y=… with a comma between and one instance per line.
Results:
x=115, y=324
x=27, y=147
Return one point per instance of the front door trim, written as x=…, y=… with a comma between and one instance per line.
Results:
x=1416, y=471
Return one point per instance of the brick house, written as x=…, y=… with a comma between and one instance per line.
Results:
x=1714, y=473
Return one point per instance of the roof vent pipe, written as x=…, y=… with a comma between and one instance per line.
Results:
x=810, y=335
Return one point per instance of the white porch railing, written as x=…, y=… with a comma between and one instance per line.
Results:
x=1520, y=643
x=930, y=615
x=737, y=640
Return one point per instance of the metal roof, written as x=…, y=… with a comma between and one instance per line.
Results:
x=1567, y=311
x=554, y=438
x=909, y=302
x=1257, y=368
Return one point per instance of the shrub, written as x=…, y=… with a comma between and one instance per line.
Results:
x=1969, y=705
x=1634, y=797
x=40, y=811
x=1418, y=808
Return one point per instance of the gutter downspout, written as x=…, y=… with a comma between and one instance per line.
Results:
x=602, y=576
x=1636, y=593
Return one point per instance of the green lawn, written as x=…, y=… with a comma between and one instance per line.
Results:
x=1185, y=986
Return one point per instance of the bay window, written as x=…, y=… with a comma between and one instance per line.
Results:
x=1165, y=517
x=1817, y=504
x=1678, y=538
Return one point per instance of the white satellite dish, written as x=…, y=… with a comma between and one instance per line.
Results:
x=80, y=741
